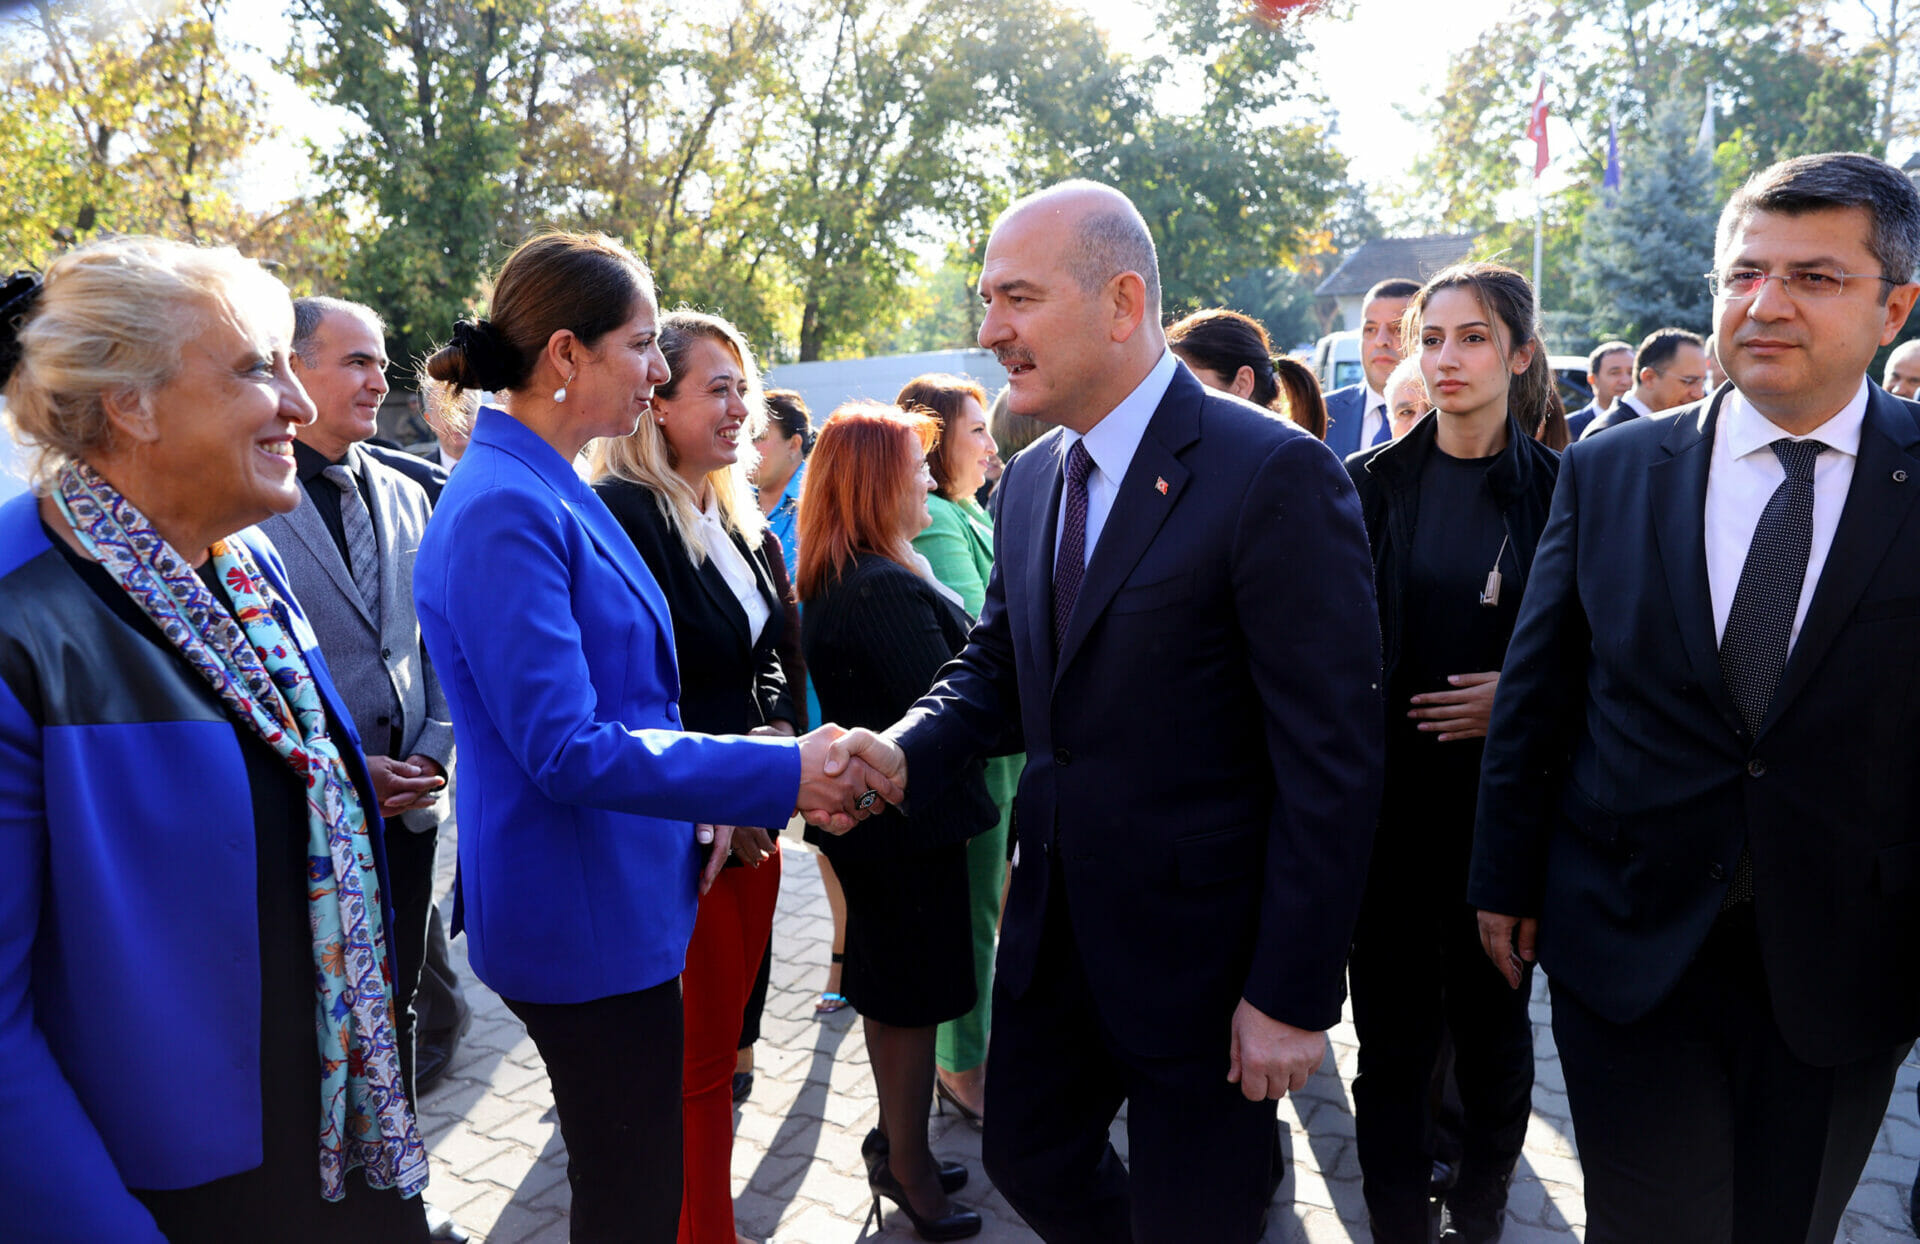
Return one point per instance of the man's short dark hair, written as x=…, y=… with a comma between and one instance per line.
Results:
x=1659, y=346
x=308, y=312
x=1392, y=287
x=1837, y=179
x=1601, y=351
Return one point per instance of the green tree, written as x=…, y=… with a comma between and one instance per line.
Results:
x=446, y=94
x=1227, y=184
x=122, y=117
x=1641, y=261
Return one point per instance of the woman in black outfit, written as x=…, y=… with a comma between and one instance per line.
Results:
x=876, y=630
x=1454, y=510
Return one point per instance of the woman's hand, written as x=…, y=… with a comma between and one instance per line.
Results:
x=752, y=845
x=1461, y=713
x=721, y=836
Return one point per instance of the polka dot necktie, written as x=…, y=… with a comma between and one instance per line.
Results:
x=1753, y=648
x=1070, y=566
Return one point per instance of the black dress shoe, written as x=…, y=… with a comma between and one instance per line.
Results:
x=742, y=1086
x=875, y=1148
x=432, y=1056
x=958, y=1223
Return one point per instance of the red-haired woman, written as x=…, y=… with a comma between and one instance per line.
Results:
x=878, y=626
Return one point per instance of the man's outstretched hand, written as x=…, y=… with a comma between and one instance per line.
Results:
x=846, y=765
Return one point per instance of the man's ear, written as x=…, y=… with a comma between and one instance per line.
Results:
x=1899, y=304
x=1129, y=294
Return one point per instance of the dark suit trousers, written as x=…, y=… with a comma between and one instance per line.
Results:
x=410, y=877
x=1417, y=972
x=1697, y=1123
x=1201, y=1155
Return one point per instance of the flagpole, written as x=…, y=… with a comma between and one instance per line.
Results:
x=1539, y=242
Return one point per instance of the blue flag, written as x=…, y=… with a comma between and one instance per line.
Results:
x=1611, y=182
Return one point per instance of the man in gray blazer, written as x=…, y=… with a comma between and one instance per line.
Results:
x=349, y=551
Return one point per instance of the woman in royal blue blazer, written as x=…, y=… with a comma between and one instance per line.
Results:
x=196, y=1038
x=580, y=792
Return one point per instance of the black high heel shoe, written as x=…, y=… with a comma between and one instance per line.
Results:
x=958, y=1223
x=953, y=1176
x=944, y=1097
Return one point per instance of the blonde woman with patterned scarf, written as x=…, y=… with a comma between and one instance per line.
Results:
x=195, y=1018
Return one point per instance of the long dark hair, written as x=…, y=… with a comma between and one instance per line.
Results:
x=1225, y=341
x=1533, y=398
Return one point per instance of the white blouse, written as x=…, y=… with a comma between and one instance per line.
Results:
x=735, y=569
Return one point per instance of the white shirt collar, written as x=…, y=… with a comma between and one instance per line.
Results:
x=1635, y=404
x=1112, y=441
x=1749, y=431
x=1374, y=400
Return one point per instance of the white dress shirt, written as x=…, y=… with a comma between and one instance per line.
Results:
x=1634, y=404
x=1111, y=445
x=734, y=568
x=1742, y=478
x=1373, y=418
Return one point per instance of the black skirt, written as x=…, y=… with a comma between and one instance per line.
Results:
x=909, y=957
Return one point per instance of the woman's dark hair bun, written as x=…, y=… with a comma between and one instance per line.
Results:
x=17, y=299
x=479, y=356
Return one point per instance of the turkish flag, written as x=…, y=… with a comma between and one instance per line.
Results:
x=1537, y=129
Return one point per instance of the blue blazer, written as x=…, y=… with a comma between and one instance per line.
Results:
x=1346, y=411
x=1577, y=421
x=129, y=930
x=1203, y=751
x=578, y=788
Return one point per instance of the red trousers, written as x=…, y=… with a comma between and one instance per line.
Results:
x=729, y=936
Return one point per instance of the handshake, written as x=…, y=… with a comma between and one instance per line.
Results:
x=847, y=776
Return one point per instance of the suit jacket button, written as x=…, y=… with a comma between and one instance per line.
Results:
x=1717, y=873
x=386, y=654
x=1756, y=768
x=1062, y=757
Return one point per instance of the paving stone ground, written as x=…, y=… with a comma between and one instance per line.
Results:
x=500, y=1169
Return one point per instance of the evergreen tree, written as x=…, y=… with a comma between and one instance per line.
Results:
x=1640, y=262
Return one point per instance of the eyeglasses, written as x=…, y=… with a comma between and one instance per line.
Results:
x=1809, y=285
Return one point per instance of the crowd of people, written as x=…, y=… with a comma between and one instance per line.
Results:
x=1167, y=702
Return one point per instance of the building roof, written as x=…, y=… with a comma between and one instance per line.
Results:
x=1385, y=258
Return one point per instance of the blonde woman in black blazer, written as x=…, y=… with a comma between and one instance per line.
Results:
x=679, y=488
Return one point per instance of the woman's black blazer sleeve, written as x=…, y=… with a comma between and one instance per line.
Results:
x=875, y=642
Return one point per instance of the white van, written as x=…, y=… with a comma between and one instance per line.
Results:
x=1336, y=360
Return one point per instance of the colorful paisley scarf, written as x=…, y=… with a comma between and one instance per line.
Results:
x=254, y=666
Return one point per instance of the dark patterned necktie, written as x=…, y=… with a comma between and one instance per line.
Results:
x=1070, y=567
x=1753, y=648
x=363, y=558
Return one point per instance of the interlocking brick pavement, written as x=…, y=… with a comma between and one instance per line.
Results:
x=500, y=1169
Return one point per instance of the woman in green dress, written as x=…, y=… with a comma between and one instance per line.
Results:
x=958, y=545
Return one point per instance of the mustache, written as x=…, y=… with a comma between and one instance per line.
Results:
x=1013, y=358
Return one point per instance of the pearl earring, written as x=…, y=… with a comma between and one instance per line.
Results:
x=560, y=394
